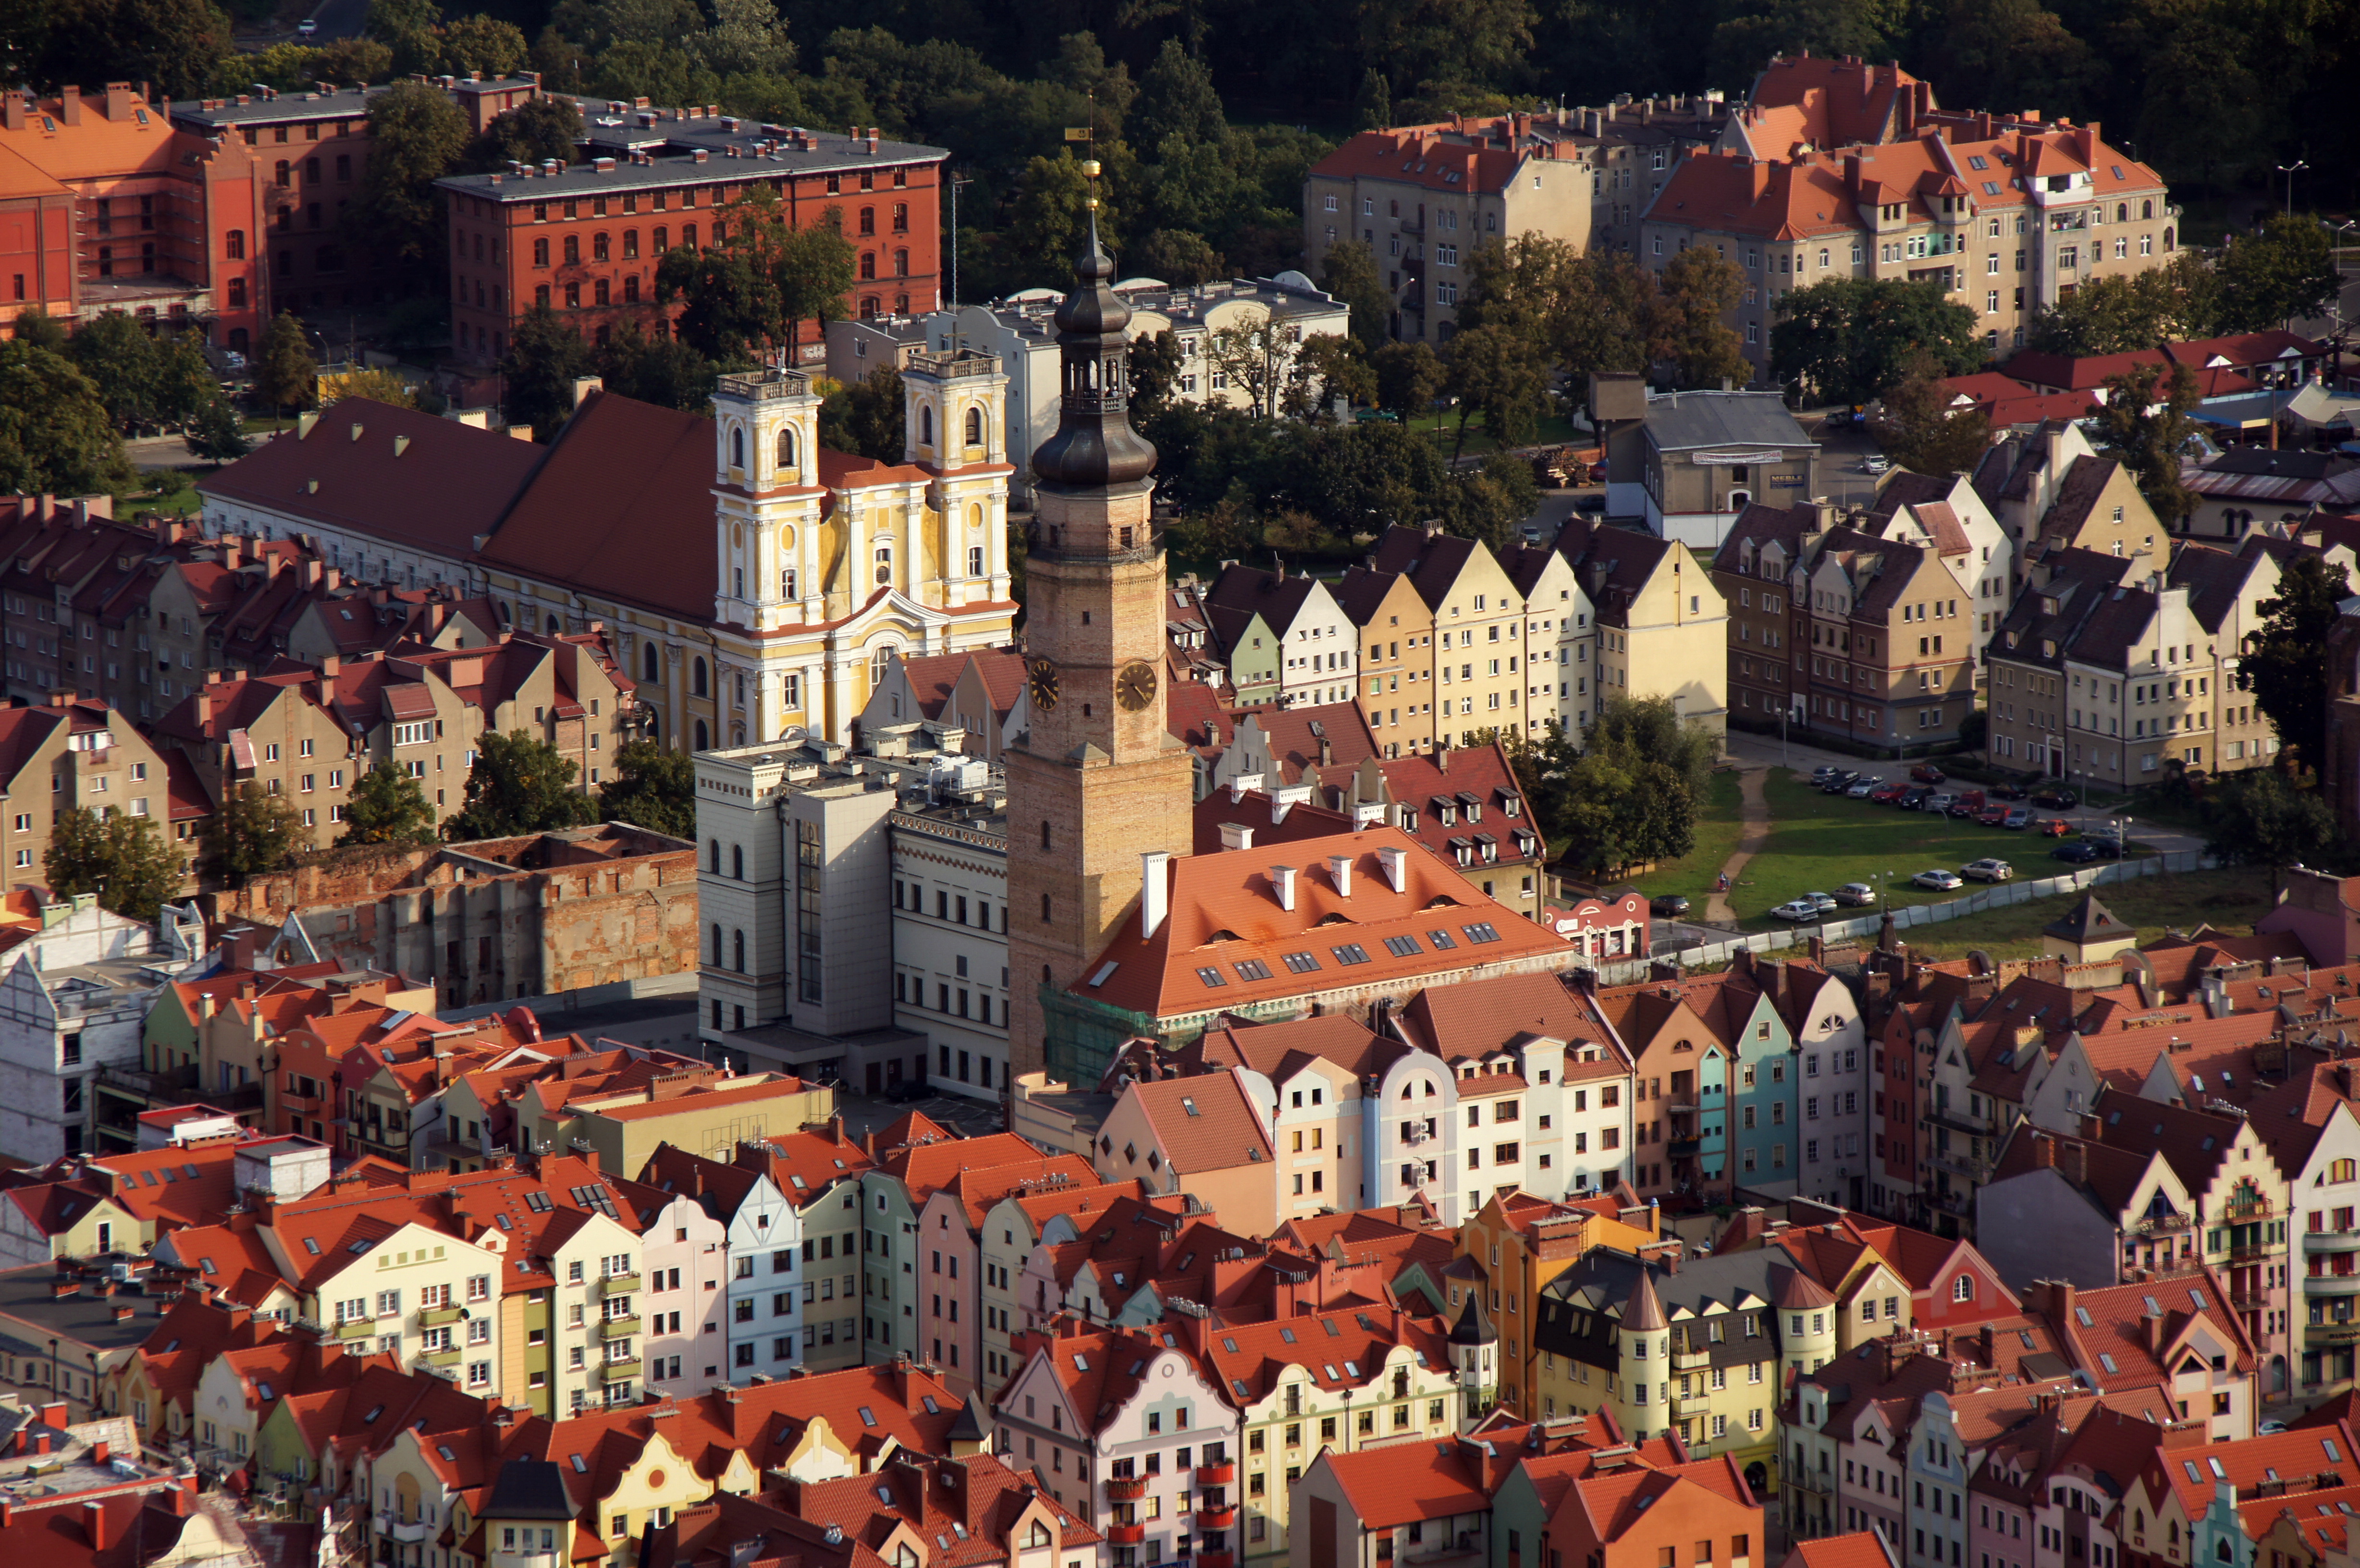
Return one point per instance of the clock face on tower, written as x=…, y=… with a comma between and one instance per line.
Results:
x=1135, y=686
x=1045, y=684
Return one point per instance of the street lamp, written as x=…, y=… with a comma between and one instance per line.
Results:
x=2291, y=170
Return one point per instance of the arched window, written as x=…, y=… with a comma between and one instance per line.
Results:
x=736, y=449
x=879, y=662
x=1044, y=835
x=717, y=944
x=555, y=625
x=884, y=564
x=716, y=857
x=925, y=426
x=648, y=663
x=1045, y=921
x=698, y=681
x=738, y=951
x=975, y=426
x=786, y=446
x=2167, y=239
x=2122, y=212
x=737, y=861
x=2146, y=209
x=867, y=265
x=704, y=737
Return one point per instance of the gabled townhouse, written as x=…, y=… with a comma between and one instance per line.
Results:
x=44, y=1218
x=2060, y=1477
x=2314, y=1135
x=1396, y=665
x=1314, y=640
x=1661, y=622
x=1307, y=1385
x=1473, y=665
x=2182, y=1504
x=1703, y=1510
x=1210, y=1132
x=2051, y=490
x=2058, y=1206
x=1513, y=1248
x=70, y=755
x=235, y=1390
x=951, y=1279
x=818, y=1173
x=979, y=695
x=684, y=1250
x=2180, y=1330
x=1305, y=1076
x=968, y=1512
x=1413, y=1503
x=156, y=1386
x=1560, y=643
x=759, y=1305
x=1947, y=514
x=1680, y=1073
x=1019, y=1224
x=1122, y=1419
x=1119, y=1266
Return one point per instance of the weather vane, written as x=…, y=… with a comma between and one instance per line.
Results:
x=1087, y=136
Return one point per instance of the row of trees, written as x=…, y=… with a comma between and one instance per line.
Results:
x=519, y=785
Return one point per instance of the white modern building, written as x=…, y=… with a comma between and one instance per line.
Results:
x=950, y=927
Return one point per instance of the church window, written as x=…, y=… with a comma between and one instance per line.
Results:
x=787, y=446
x=975, y=426
x=736, y=449
x=697, y=678
x=925, y=426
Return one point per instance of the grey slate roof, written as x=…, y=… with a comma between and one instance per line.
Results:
x=1683, y=422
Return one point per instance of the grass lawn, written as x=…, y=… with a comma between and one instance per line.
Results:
x=167, y=490
x=2231, y=898
x=1817, y=842
x=1717, y=831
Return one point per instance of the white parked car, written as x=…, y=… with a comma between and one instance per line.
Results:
x=1939, y=881
x=1986, y=870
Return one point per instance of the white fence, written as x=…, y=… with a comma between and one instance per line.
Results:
x=1997, y=895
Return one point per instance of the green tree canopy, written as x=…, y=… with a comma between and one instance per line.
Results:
x=123, y=363
x=866, y=417
x=1176, y=98
x=124, y=859
x=545, y=354
x=1410, y=376
x=664, y=370
x=1496, y=371
x=1626, y=793
x=520, y=784
x=286, y=374
x=2282, y=666
x=1155, y=362
x=1849, y=339
x=2125, y=311
x=541, y=127
x=1685, y=329
x=1350, y=273
x=655, y=787
x=2143, y=423
x=254, y=833
x=2260, y=818
x=54, y=432
x=2285, y=271
x=417, y=135
x=1919, y=429
x=389, y=806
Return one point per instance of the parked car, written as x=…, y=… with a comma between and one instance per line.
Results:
x=306, y=27
x=2056, y=799
x=1856, y=895
x=907, y=1090
x=2054, y=827
x=1837, y=783
x=2008, y=792
x=1987, y=870
x=1927, y=773
x=2081, y=851
x=1820, y=901
x=1669, y=906
x=1863, y=786
x=1875, y=465
x=1994, y=816
x=2017, y=817
x=1939, y=803
x=1796, y=910
x=1939, y=881
x=1824, y=772
x=1886, y=794
x=1970, y=802
x=1917, y=797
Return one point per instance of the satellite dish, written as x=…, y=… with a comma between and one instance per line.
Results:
x=793, y=734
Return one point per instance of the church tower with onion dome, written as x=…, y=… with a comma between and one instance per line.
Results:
x=1099, y=790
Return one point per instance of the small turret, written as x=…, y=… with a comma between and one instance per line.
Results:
x=1475, y=1357
x=1646, y=1345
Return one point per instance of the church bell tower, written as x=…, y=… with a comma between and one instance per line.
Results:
x=1100, y=781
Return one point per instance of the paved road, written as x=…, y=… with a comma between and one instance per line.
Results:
x=158, y=452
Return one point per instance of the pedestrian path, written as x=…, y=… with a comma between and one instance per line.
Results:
x=1753, y=815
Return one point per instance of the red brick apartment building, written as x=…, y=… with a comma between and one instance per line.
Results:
x=585, y=238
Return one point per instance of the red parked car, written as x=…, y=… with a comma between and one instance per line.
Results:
x=1993, y=816
x=2052, y=827
x=1927, y=773
x=1889, y=793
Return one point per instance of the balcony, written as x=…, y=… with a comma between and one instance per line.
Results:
x=358, y=1328
x=1685, y=1148
x=617, y=1370
x=1218, y=1519
x=1690, y=1360
x=2332, y=1333
x=617, y=1284
x=2331, y=1241
x=1806, y=1480
x=434, y=1317
x=1224, y=1473
x=1126, y=1534
x=2253, y=1252
x=2248, y=1297
x=1690, y=1407
x=617, y=1328
x=441, y=1359
x=2158, y=1223
x=391, y=1527
x=1125, y=1488
x=1217, y=1559
x=2330, y=1284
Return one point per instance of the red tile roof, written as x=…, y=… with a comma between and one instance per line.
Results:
x=1205, y=1122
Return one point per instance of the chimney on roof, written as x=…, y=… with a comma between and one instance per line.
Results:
x=1442, y=756
x=70, y=105
x=2073, y=1162
x=1238, y=835
x=1154, y=891
x=93, y=1524
x=1281, y=882
x=12, y=109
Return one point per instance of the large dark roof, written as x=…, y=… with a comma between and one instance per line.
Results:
x=528, y=1488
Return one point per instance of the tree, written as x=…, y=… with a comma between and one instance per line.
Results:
x=1177, y=257
x=543, y=126
x=2285, y=271
x=2013, y=52
x=1495, y=372
x=1252, y=356
x=377, y=385
x=813, y=272
x=519, y=785
x=55, y=437
x=286, y=374
x=254, y=833
x=1050, y=218
x=1627, y=793
x=388, y=806
x=37, y=327
x=2143, y=423
x=1410, y=376
x=217, y=433
x=869, y=417
x=1176, y=98
x=544, y=356
x=659, y=370
x=654, y=787
x=1350, y=273
x=481, y=44
x=1683, y=321
x=123, y=364
x=355, y=61
x=124, y=859
x=1920, y=430
x=1155, y=364
x=731, y=304
x=1848, y=338
x=176, y=44
x=747, y=38
x=1327, y=366
x=417, y=135
x=2123, y=313
x=1372, y=104
x=2282, y=666
x=2261, y=819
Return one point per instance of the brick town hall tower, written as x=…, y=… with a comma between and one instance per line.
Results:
x=1100, y=781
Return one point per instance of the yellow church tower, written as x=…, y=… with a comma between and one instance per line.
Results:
x=1100, y=781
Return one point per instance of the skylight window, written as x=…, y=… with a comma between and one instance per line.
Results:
x=1443, y=940
x=1229, y=1343
x=1252, y=969
x=1481, y=931
x=1349, y=952
x=1287, y=1334
x=868, y=1416
x=1211, y=976
x=1081, y=1362
x=580, y=1468
x=311, y=1246
x=1300, y=962
x=1402, y=946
